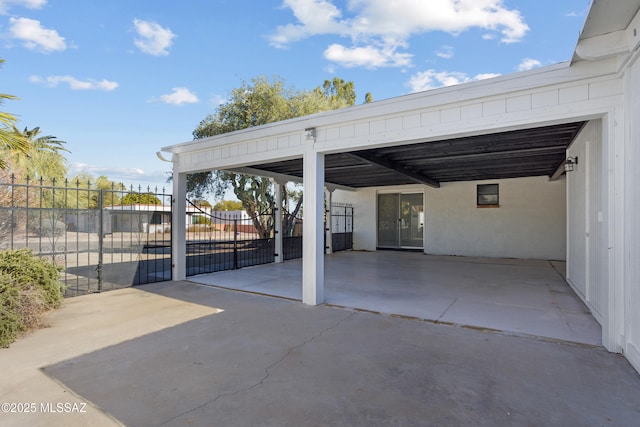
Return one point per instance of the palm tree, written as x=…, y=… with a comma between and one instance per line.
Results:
x=10, y=141
x=45, y=161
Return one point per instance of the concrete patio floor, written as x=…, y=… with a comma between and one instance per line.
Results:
x=527, y=297
x=178, y=353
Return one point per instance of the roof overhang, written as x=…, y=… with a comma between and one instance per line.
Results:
x=521, y=153
x=612, y=28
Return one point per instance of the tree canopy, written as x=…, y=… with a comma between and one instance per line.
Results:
x=45, y=159
x=135, y=198
x=228, y=205
x=254, y=103
x=90, y=199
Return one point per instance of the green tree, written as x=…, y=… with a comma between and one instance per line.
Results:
x=228, y=205
x=201, y=203
x=10, y=141
x=85, y=194
x=112, y=191
x=45, y=160
x=256, y=103
x=135, y=198
x=338, y=91
x=368, y=98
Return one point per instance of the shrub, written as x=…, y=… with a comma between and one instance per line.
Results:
x=9, y=299
x=29, y=286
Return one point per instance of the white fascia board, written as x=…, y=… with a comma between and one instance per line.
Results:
x=484, y=89
x=185, y=162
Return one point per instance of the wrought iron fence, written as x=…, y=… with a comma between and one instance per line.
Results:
x=101, y=239
x=292, y=237
x=104, y=239
x=341, y=227
x=218, y=241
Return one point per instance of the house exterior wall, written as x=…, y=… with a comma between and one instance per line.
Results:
x=530, y=222
x=631, y=294
x=587, y=266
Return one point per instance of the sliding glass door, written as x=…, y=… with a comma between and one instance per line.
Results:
x=400, y=220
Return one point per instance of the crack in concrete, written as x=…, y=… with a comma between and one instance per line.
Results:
x=446, y=309
x=267, y=370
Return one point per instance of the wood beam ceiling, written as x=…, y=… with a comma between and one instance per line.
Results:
x=389, y=164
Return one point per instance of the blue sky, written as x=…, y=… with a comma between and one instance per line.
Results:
x=119, y=79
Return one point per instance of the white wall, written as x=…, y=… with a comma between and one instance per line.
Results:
x=587, y=263
x=631, y=292
x=530, y=222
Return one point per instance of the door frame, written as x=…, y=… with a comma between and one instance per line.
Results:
x=400, y=193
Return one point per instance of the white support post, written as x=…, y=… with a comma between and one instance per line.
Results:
x=329, y=225
x=278, y=223
x=613, y=134
x=179, y=227
x=313, y=228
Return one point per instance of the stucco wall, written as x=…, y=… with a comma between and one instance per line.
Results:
x=530, y=222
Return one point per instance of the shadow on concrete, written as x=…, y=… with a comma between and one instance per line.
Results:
x=272, y=362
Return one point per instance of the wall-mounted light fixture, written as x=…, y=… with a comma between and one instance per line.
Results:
x=570, y=164
x=310, y=133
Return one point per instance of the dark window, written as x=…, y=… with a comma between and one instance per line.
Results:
x=488, y=195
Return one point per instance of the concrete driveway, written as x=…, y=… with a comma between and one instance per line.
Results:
x=177, y=353
x=525, y=297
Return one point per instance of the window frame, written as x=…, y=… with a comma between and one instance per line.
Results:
x=486, y=190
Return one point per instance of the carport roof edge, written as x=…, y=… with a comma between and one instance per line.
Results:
x=439, y=97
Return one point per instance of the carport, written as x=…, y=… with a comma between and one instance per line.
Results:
x=531, y=149
x=516, y=131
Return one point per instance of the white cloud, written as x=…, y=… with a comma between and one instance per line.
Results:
x=179, y=96
x=316, y=17
x=152, y=38
x=367, y=56
x=445, y=52
x=431, y=79
x=36, y=37
x=5, y=5
x=384, y=26
x=125, y=175
x=528, y=64
x=75, y=84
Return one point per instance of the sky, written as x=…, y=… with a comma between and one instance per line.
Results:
x=119, y=79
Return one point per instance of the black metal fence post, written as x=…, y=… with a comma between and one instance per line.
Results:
x=100, y=237
x=235, y=243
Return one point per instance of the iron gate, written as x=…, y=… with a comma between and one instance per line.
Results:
x=341, y=227
x=101, y=239
x=218, y=241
